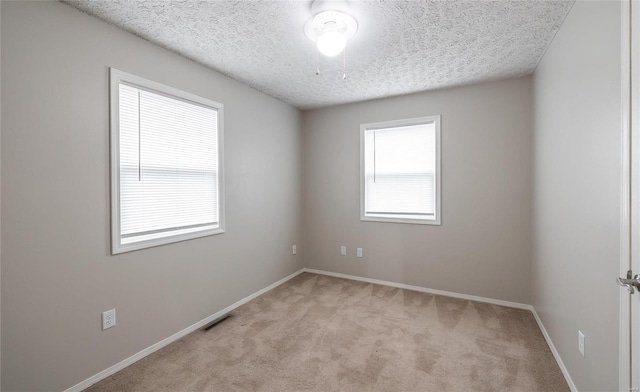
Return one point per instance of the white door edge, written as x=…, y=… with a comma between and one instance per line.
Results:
x=629, y=350
x=624, y=365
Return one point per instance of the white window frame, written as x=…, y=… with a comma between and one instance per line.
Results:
x=118, y=77
x=394, y=124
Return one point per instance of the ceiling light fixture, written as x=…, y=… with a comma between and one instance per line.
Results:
x=331, y=30
x=330, y=42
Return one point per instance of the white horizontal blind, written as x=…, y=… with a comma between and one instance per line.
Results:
x=168, y=165
x=400, y=171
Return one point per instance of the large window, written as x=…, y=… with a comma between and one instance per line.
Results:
x=400, y=171
x=166, y=164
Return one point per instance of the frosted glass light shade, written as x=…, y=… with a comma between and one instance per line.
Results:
x=331, y=43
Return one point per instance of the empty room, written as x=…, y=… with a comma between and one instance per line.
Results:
x=306, y=195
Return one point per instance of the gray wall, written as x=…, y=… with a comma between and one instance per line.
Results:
x=483, y=246
x=57, y=274
x=0, y=187
x=57, y=271
x=576, y=215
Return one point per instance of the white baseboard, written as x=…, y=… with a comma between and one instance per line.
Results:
x=157, y=346
x=424, y=289
x=556, y=355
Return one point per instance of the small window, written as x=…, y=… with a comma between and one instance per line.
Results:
x=400, y=171
x=166, y=164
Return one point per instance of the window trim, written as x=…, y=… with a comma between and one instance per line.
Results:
x=118, y=77
x=393, y=124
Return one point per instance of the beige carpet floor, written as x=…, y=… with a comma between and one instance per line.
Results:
x=318, y=333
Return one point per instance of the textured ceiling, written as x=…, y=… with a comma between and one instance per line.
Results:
x=400, y=47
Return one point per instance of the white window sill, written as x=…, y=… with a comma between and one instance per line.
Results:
x=398, y=219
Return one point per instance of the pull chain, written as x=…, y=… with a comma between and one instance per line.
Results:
x=344, y=64
x=139, y=141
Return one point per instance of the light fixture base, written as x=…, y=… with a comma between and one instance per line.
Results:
x=338, y=21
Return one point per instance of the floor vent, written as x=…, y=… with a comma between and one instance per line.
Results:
x=216, y=322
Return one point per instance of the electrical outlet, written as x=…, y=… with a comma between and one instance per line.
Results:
x=294, y=250
x=359, y=252
x=108, y=319
x=343, y=250
x=581, y=342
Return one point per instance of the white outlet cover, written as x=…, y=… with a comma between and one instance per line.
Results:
x=359, y=252
x=343, y=250
x=108, y=319
x=581, y=342
x=294, y=250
